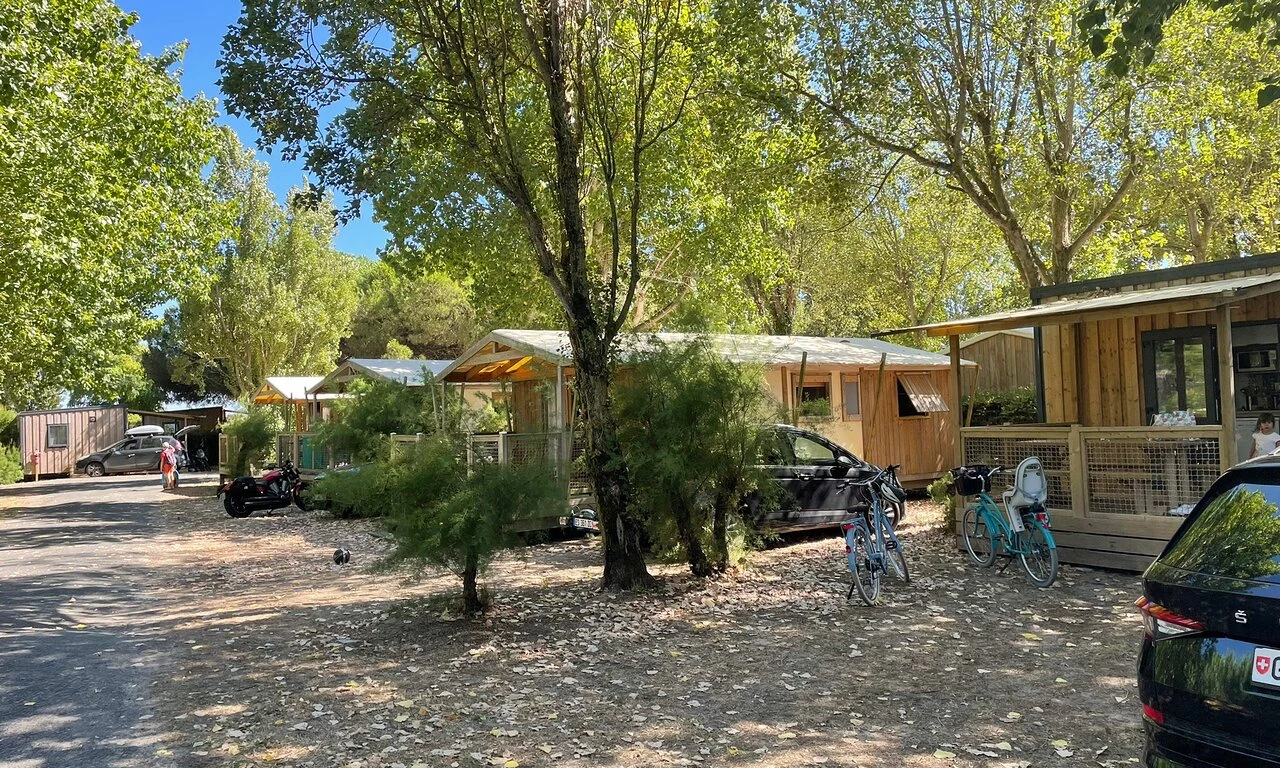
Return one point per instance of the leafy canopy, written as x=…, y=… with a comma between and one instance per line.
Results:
x=104, y=213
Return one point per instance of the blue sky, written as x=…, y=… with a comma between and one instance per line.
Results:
x=163, y=23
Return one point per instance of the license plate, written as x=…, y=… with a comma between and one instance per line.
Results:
x=580, y=522
x=1266, y=667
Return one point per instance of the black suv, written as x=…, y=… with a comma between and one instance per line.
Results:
x=1209, y=668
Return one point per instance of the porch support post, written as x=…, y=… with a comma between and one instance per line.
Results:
x=1226, y=389
x=957, y=393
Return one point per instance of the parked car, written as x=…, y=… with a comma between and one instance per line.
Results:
x=1209, y=665
x=139, y=451
x=815, y=476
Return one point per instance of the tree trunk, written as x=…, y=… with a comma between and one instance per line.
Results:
x=624, y=566
x=693, y=552
x=471, y=604
x=720, y=534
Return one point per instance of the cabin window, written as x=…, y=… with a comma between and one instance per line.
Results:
x=814, y=396
x=918, y=397
x=1178, y=373
x=56, y=436
x=852, y=398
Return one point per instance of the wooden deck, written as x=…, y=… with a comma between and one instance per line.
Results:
x=1113, y=491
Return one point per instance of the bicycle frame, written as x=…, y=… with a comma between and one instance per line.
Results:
x=998, y=525
x=878, y=525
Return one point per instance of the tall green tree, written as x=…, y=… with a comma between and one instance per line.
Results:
x=103, y=208
x=1127, y=33
x=575, y=120
x=430, y=315
x=280, y=297
x=997, y=96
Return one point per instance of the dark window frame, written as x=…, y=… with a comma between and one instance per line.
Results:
x=1205, y=334
x=48, y=436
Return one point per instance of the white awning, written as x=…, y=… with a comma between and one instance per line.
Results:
x=924, y=396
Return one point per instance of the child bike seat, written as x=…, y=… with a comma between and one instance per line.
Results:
x=1030, y=487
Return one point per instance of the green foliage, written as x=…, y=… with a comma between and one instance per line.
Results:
x=256, y=431
x=11, y=467
x=691, y=424
x=942, y=491
x=1013, y=406
x=356, y=493
x=396, y=351
x=9, y=426
x=443, y=515
x=280, y=296
x=133, y=420
x=104, y=213
x=124, y=382
x=361, y=424
x=429, y=316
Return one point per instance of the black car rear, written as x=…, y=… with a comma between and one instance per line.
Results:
x=1208, y=673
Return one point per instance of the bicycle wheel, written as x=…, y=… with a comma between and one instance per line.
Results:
x=895, y=561
x=866, y=577
x=1039, y=555
x=979, y=542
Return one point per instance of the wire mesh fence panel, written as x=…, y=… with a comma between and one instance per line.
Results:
x=1145, y=475
x=534, y=448
x=483, y=448
x=1009, y=451
x=579, y=482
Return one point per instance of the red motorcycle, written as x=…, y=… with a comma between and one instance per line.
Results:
x=279, y=487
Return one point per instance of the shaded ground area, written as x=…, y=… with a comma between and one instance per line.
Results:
x=80, y=637
x=279, y=656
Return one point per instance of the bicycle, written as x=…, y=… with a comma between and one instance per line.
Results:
x=870, y=544
x=988, y=533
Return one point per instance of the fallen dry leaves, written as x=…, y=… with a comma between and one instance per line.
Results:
x=281, y=657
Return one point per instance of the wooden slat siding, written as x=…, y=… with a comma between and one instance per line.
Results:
x=1090, y=359
x=1120, y=552
x=1006, y=361
x=922, y=445
x=1111, y=372
x=83, y=437
x=1051, y=344
x=1131, y=366
x=1070, y=373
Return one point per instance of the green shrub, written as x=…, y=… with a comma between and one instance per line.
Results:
x=1014, y=406
x=356, y=493
x=256, y=431
x=691, y=424
x=8, y=426
x=442, y=515
x=11, y=469
x=361, y=424
x=942, y=491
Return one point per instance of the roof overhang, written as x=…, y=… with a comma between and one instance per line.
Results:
x=1194, y=297
x=498, y=357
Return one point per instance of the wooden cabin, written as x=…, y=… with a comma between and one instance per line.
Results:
x=1005, y=359
x=887, y=403
x=62, y=435
x=1123, y=364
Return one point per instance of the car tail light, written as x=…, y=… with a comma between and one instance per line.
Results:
x=1153, y=714
x=1160, y=622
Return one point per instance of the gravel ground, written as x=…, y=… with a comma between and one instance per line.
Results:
x=280, y=656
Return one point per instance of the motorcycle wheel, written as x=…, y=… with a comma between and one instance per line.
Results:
x=301, y=501
x=235, y=508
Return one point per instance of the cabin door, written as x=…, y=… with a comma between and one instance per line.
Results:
x=1179, y=370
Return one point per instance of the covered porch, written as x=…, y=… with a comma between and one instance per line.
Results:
x=1141, y=401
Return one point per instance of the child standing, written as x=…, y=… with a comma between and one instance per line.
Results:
x=1265, y=437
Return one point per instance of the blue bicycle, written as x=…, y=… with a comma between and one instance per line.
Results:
x=870, y=545
x=1024, y=532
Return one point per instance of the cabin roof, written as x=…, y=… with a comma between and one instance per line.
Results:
x=411, y=373
x=553, y=347
x=1191, y=297
x=284, y=389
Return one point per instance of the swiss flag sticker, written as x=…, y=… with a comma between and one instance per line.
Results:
x=1263, y=663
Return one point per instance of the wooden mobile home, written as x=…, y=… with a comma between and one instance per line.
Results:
x=885, y=402
x=62, y=435
x=1149, y=387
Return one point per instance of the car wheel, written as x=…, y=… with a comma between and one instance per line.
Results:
x=95, y=469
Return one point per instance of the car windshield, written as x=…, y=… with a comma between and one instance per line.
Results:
x=1237, y=535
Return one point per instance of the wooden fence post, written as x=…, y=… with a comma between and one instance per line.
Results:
x=1077, y=464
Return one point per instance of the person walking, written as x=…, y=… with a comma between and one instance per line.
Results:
x=169, y=467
